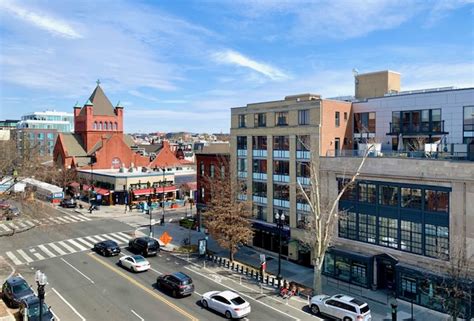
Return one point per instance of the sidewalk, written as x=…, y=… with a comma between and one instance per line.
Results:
x=379, y=301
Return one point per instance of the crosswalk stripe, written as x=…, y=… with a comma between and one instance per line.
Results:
x=30, y=223
x=22, y=225
x=26, y=257
x=67, y=247
x=91, y=238
x=62, y=219
x=14, y=259
x=57, y=249
x=45, y=250
x=119, y=237
x=128, y=237
x=85, y=218
x=70, y=219
x=13, y=226
x=36, y=221
x=80, y=239
x=79, y=246
x=116, y=240
x=39, y=256
x=100, y=237
x=5, y=228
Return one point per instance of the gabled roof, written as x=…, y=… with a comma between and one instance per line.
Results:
x=72, y=144
x=127, y=139
x=101, y=104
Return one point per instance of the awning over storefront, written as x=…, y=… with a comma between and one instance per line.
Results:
x=98, y=190
x=150, y=191
x=272, y=228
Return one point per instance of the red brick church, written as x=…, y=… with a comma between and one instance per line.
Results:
x=99, y=141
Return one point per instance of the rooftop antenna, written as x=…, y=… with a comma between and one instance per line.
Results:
x=355, y=72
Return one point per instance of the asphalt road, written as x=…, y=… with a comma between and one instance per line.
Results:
x=85, y=286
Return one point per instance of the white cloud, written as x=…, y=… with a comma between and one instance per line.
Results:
x=49, y=23
x=236, y=58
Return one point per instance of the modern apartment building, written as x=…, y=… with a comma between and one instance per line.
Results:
x=270, y=151
x=39, y=130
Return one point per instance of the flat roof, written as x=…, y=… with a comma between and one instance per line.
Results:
x=117, y=173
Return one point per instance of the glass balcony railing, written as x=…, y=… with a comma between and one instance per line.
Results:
x=259, y=153
x=443, y=156
x=417, y=128
x=304, y=180
x=259, y=199
x=241, y=174
x=242, y=197
x=303, y=154
x=281, y=203
x=259, y=176
x=303, y=207
x=281, y=178
x=281, y=154
x=241, y=152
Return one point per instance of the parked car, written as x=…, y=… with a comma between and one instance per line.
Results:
x=68, y=203
x=14, y=211
x=144, y=245
x=228, y=303
x=14, y=290
x=135, y=263
x=107, y=248
x=31, y=307
x=178, y=283
x=341, y=307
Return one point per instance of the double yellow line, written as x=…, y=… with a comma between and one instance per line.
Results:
x=144, y=288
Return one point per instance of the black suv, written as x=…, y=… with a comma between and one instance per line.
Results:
x=107, y=248
x=145, y=246
x=68, y=203
x=31, y=305
x=178, y=283
x=14, y=290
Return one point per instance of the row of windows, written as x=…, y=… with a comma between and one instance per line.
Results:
x=41, y=136
x=212, y=170
x=279, y=142
x=337, y=117
x=429, y=240
x=104, y=126
x=391, y=195
x=281, y=119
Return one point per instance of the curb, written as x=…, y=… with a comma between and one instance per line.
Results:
x=16, y=231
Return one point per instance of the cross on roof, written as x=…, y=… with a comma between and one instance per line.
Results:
x=98, y=82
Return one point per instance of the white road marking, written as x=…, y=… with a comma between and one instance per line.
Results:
x=57, y=249
x=78, y=245
x=30, y=223
x=119, y=237
x=80, y=239
x=13, y=226
x=22, y=225
x=67, y=247
x=91, y=238
x=55, y=316
x=62, y=219
x=242, y=294
x=14, y=259
x=128, y=237
x=70, y=219
x=100, y=237
x=156, y=271
x=38, y=256
x=68, y=304
x=85, y=218
x=26, y=257
x=88, y=278
x=136, y=314
x=110, y=236
x=45, y=250
x=5, y=228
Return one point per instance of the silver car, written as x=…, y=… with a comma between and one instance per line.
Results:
x=341, y=307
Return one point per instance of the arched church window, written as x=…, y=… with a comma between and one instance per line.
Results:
x=94, y=126
x=105, y=126
x=116, y=127
x=100, y=126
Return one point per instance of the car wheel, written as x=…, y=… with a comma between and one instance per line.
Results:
x=120, y=263
x=175, y=294
x=228, y=315
x=347, y=319
x=315, y=309
x=204, y=304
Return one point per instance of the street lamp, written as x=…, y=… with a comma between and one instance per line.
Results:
x=280, y=221
x=41, y=281
x=149, y=212
x=163, y=203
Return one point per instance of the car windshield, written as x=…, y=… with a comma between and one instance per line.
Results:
x=20, y=287
x=364, y=309
x=238, y=300
x=139, y=258
x=33, y=310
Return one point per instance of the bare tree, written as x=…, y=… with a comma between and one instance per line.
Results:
x=324, y=213
x=226, y=217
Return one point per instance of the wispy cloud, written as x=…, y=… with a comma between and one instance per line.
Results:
x=238, y=59
x=46, y=22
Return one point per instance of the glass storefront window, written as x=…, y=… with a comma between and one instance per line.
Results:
x=343, y=268
x=408, y=288
x=328, y=264
x=359, y=273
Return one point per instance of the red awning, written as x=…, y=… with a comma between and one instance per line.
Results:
x=98, y=190
x=149, y=191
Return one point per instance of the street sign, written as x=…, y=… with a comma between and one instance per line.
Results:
x=202, y=247
x=165, y=238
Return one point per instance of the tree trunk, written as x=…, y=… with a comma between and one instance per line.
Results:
x=231, y=255
x=317, y=280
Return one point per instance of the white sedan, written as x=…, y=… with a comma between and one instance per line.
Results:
x=228, y=303
x=136, y=263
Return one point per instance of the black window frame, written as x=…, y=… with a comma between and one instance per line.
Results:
x=304, y=117
x=260, y=120
x=281, y=118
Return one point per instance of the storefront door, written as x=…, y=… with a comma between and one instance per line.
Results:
x=385, y=274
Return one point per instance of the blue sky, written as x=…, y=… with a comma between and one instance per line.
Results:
x=180, y=65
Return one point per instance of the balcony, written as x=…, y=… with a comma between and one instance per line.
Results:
x=304, y=180
x=456, y=152
x=241, y=153
x=303, y=207
x=242, y=197
x=281, y=154
x=281, y=178
x=259, y=176
x=259, y=199
x=241, y=174
x=303, y=154
x=281, y=203
x=259, y=153
x=418, y=128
